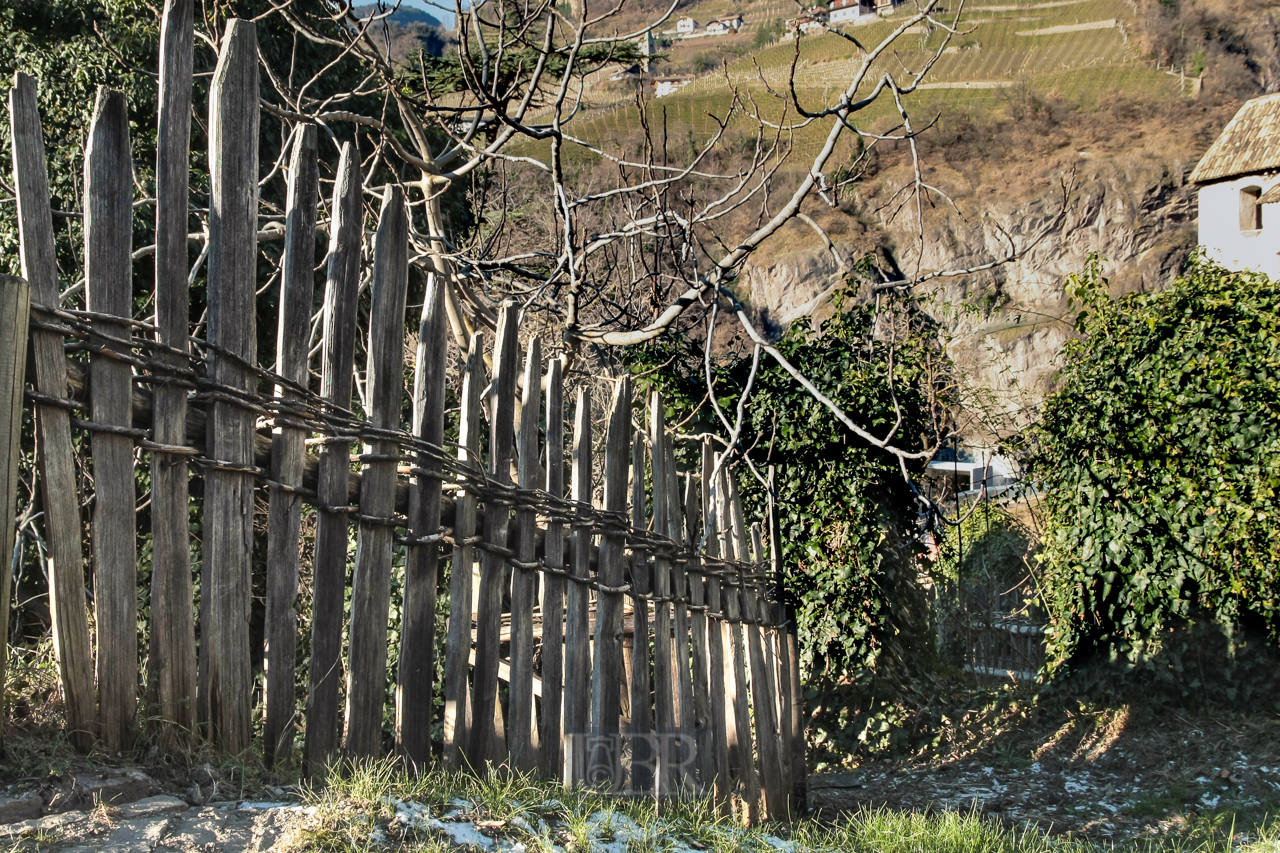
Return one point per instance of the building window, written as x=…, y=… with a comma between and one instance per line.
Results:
x=1250, y=210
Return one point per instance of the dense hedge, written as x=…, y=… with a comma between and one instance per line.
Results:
x=1160, y=456
x=846, y=514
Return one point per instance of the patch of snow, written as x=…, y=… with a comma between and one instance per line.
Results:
x=1210, y=802
x=1035, y=767
x=463, y=833
x=263, y=806
x=411, y=814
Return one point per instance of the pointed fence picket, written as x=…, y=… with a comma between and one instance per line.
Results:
x=624, y=635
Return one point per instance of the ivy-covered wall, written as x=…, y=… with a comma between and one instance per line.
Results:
x=1160, y=459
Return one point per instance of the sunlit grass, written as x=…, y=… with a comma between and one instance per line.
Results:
x=355, y=809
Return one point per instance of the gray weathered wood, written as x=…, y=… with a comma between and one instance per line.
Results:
x=55, y=459
x=15, y=305
x=371, y=580
x=607, y=665
x=642, y=778
x=329, y=566
x=763, y=685
x=415, y=682
x=577, y=638
x=664, y=679
x=553, y=585
x=288, y=449
x=524, y=579
x=680, y=646
x=792, y=698
x=457, y=704
x=497, y=515
x=780, y=721
x=226, y=675
x=108, y=234
x=705, y=755
x=171, y=662
x=736, y=550
x=718, y=690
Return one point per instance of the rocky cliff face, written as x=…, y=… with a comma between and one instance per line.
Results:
x=1007, y=325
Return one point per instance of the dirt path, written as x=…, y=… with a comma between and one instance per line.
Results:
x=163, y=824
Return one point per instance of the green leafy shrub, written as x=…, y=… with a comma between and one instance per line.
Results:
x=1160, y=456
x=845, y=513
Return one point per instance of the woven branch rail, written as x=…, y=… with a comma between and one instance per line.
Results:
x=632, y=659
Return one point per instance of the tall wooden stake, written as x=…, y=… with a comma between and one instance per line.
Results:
x=226, y=677
x=171, y=662
x=524, y=580
x=553, y=585
x=15, y=305
x=108, y=236
x=55, y=456
x=288, y=448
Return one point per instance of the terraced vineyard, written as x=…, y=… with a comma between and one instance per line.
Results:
x=1079, y=49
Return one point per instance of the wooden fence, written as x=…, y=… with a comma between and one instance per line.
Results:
x=637, y=639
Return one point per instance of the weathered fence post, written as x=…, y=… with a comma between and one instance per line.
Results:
x=108, y=235
x=415, y=681
x=171, y=663
x=642, y=757
x=329, y=567
x=697, y=604
x=793, y=728
x=780, y=774
x=371, y=581
x=741, y=741
x=680, y=649
x=524, y=580
x=577, y=639
x=553, y=583
x=497, y=515
x=226, y=677
x=288, y=447
x=606, y=676
x=457, y=704
x=15, y=305
x=53, y=422
x=715, y=629
x=664, y=685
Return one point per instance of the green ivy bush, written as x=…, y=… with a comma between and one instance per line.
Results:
x=1160, y=458
x=846, y=515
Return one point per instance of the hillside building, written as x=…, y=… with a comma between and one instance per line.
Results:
x=848, y=11
x=724, y=26
x=1238, y=180
x=686, y=25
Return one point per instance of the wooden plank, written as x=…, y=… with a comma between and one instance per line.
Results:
x=415, y=681
x=371, y=580
x=781, y=760
x=680, y=648
x=736, y=615
x=664, y=679
x=226, y=676
x=745, y=760
x=792, y=698
x=577, y=637
x=642, y=777
x=288, y=449
x=171, y=662
x=457, y=652
x=716, y=634
x=553, y=585
x=329, y=566
x=55, y=458
x=15, y=305
x=705, y=756
x=607, y=666
x=764, y=688
x=108, y=238
x=497, y=516
x=524, y=577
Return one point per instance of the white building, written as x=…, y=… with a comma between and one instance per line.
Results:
x=1239, y=184
x=973, y=469
x=663, y=86
x=724, y=26
x=844, y=11
x=686, y=25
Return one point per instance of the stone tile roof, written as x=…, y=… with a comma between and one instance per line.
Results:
x=1249, y=143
